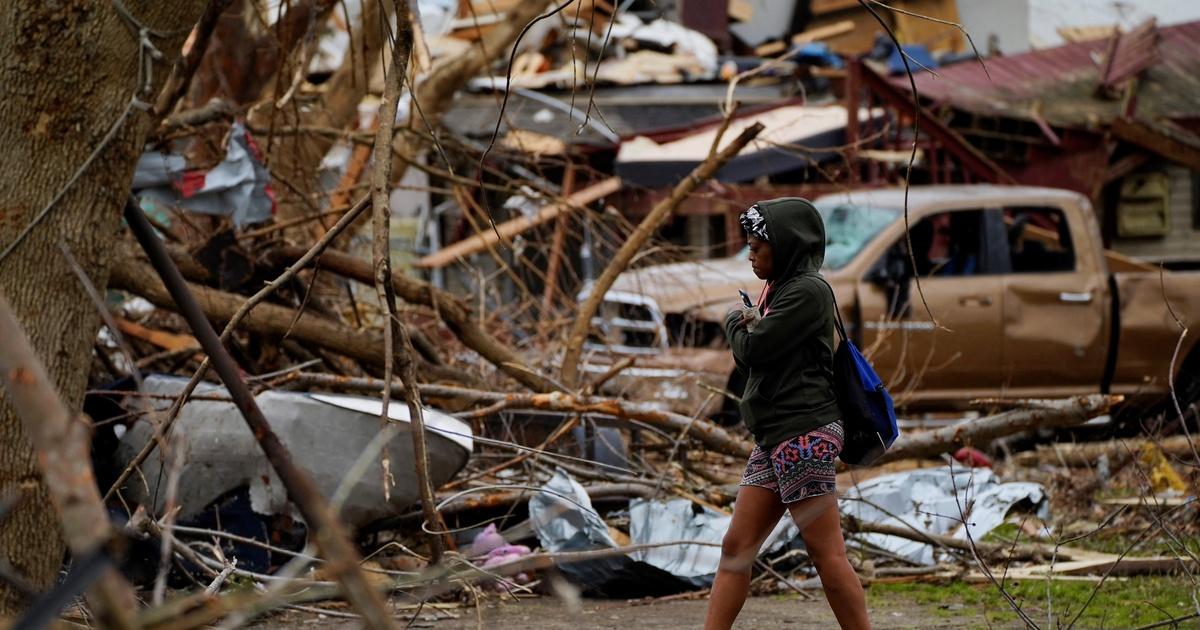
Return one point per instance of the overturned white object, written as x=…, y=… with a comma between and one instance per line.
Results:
x=325, y=434
x=937, y=501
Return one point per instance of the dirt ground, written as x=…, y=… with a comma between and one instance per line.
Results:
x=550, y=613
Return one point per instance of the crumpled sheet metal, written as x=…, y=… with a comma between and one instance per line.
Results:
x=933, y=500
x=239, y=187
x=564, y=520
x=680, y=519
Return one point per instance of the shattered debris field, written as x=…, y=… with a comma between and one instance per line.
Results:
x=597, y=314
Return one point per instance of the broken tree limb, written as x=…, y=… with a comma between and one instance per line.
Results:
x=330, y=537
x=990, y=550
x=1088, y=454
x=268, y=319
x=62, y=445
x=1051, y=414
x=663, y=209
x=453, y=312
x=185, y=67
x=509, y=229
x=707, y=433
x=397, y=346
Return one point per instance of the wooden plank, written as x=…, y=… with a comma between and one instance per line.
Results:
x=513, y=227
x=1156, y=141
x=824, y=32
x=160, y=338
x=858, y=40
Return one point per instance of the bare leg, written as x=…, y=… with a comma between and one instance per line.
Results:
x=821, y=527
x=755, y=513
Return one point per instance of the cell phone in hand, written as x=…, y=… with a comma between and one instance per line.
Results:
x=745, y=298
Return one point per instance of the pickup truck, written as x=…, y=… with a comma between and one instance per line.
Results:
x=1017, y=299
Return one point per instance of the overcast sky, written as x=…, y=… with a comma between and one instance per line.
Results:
x=1048, y=15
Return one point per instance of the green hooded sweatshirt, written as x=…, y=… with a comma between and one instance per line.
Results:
x=788, y=359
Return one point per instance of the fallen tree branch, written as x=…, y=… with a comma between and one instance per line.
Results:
x=993, y=550
x=1051, y=414
x=644, y=230
x=267, y=319
x=708, y=433
x=509, y=229
x=1081, y=455
x=457, y=317
x=61, y=445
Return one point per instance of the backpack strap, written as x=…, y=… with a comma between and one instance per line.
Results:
x=837, y=312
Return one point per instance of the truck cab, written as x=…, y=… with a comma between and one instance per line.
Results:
x=977, y=291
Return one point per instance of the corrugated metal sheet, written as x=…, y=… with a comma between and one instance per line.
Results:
x=1061, y=81
x=1136, y=51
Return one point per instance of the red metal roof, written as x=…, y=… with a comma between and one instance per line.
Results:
x=1061, y=81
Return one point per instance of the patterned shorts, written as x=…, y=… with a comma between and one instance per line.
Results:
x=799, y=468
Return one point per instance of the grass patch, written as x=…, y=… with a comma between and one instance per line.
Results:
x=1120, y=603
x=1107, y=540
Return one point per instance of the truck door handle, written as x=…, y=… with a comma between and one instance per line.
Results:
x=978, y=300
x=1075, y=298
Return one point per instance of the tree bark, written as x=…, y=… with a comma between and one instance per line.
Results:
x=69, y=72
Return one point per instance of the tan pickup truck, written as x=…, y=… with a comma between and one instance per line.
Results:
x=1025, y=302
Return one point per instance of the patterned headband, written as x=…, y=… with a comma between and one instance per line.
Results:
x=754, y=223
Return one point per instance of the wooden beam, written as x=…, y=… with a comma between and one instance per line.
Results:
x=1125, y=166
x=511, y=228
x=970, y=157
x=1158, y=142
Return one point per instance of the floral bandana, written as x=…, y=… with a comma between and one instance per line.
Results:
x=754, y=223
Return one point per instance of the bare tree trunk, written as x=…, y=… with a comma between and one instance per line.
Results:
x=70, y=72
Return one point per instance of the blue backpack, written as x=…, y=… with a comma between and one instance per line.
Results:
x=868, y=417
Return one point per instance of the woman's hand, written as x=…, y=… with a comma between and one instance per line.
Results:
x=750, y=317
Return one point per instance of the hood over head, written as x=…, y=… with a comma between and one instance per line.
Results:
x=796, y=233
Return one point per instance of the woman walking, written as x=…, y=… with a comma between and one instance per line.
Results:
x=784, y=348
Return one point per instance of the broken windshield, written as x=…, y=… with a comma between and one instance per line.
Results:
x=849, y=227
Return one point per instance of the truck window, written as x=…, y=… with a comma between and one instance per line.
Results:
x=949, y=244
x=849, y=227
x=1039, y=240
